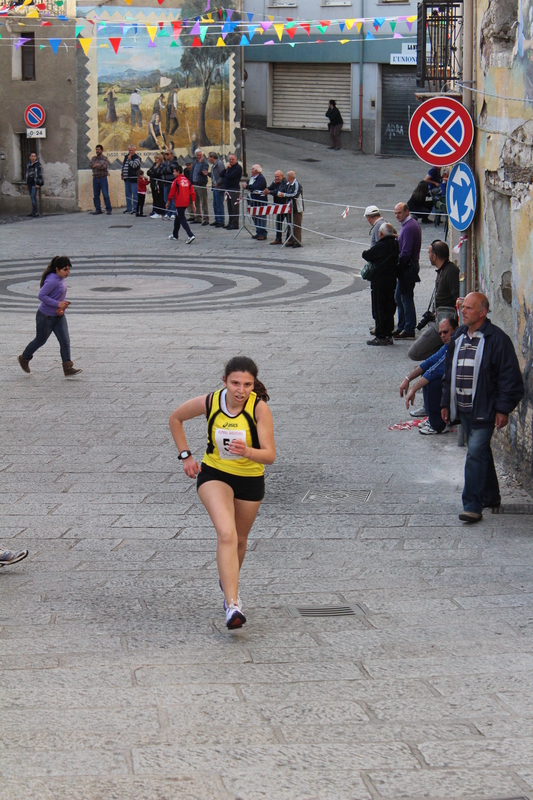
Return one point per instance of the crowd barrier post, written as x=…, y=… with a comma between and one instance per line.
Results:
x=270, y=212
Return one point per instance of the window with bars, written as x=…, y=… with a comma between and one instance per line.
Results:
x=439, y=45
x=27, y=52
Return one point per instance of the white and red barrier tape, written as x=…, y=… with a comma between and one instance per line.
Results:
x=263, y=211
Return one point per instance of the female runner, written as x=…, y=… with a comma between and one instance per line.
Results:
x=230, y=479
x=51, y=316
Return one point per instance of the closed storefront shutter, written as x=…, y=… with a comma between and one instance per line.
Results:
x=301, y=92
x=398, y=103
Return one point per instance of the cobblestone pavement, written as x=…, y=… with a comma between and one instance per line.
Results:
x=119, y=678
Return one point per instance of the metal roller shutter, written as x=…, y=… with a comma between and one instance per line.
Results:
x=301, y=92
x=398, y=102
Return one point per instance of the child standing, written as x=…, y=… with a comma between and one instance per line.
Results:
x=142, y=183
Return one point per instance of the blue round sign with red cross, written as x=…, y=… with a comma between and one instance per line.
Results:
x=34, y=116
x=441, y=131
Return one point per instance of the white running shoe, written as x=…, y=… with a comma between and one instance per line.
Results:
x=239, y=601
x=155, y=216
x=173, y=237
x=418, y=412
x=190, y=239
x=427, y=430
x=234, y=617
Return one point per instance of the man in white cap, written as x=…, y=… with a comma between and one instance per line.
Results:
x=375, y=220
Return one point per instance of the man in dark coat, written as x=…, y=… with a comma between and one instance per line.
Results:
x=335, y=125
x=232, y=184
x=384, y=256
x=482, y=385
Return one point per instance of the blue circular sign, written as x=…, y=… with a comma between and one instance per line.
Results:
x=35, y=115
x=461, y=197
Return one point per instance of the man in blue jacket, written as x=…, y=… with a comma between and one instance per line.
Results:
x=430, y=374
x=482, y=385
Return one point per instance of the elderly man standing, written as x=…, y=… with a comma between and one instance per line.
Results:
x=279, y=184
x=217, y=184
x=410, y=241
x=100, y=167
x=294, y=193
x=375, y=220
x=482, y=385
x=384, y=256
x=130, y=165
x=256, y=186
x=232, y=181
x=200, y=171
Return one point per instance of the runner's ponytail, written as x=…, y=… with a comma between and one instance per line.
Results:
x=260, y=390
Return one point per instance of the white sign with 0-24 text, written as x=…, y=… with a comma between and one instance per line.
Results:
x=35, y=133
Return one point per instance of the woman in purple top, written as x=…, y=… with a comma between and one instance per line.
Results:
x=51, y=314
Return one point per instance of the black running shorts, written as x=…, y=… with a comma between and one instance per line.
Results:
x=252, y=489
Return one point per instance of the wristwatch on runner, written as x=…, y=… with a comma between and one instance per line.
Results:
x=184, y=454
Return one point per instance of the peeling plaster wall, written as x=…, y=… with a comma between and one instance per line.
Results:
x=504, y=165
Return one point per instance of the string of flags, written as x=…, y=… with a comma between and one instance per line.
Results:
x=217, y=23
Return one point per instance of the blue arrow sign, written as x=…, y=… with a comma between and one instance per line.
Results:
x=461, y=197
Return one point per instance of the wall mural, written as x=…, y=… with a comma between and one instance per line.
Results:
x=157, y=93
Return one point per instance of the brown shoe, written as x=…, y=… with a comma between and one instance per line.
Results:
x=470, y=516
x=68, y=368
x=276, y=241
x=24, y=364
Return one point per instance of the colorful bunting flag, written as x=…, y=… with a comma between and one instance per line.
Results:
x=278, y=27
x=177, y=27
x=378, y=22
x=221, y=42
x=32, y=13
x=195, y=30
x=344, y=41
x=22, y=41
x=350, y=23
x=54, y=44
x=290, y=31
x=244, y=41
x=251, y=31
x=369, y=35
x=392, y=24
x=196, y=42
x=45, y=23
x=341, y=26
x=203, y=32
x=250, y=15
x=85, y=43
x=265, y=26
x=115, y=43
x=271, y=41
x=306, y=26
x=152, y=30
x=79, y=29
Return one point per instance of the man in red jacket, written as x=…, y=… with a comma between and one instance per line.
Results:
x=182, y=193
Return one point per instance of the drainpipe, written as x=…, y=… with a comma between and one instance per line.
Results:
x=361, y=63
x=243, y=117
x=466, y=279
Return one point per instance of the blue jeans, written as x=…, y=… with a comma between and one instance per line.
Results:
x=218, y=205
x=432, y=394
x=100, y=185
x=405, y=301
x=130, y=187
x=481, y=483
x=259, y=222
x=172, y=205
x=136, y=112
x=45, y=327
x=33, y=195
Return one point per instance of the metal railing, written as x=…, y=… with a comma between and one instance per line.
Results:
x=265, y=217
x=439, y=45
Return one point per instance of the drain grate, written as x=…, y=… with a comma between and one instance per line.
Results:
x=120, y=226
x=111, y=289
x=515, y=508
x=325, y=611
x=385, y=185
x=337, y=495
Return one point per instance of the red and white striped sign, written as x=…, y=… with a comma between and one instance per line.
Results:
x=264, y=211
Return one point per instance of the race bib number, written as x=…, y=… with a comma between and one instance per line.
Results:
x=223, y=439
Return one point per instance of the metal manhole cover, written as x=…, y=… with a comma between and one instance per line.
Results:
x=515, y=508
x=311, y=160
x=120, y=226
x=337, y=495
x=385, y=185
x=325, y=611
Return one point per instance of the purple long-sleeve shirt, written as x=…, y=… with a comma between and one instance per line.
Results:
x=53, y=291
x=410, y=241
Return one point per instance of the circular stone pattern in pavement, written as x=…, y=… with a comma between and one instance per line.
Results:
x=134, y=284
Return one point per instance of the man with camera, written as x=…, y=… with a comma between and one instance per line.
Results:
x=443, y=300
x=430, y=374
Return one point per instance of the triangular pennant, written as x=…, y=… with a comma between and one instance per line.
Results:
x=203, y=32
x=54, y=44
x=291, y=32
x=244, y=41
x=306, y=26
x=325, y=23
x=350, y=23
x=251, y=31
x=369, y=35
x=397, y=36
x=63, y=17
x=265, y=25
x=177, y=27
x=341, y=26
x=321, y=28
x=223, y=37
x=161, y=25
x=292, y=44
x=278, y=27
x=319, y=41
x=79, y=29
x=128, y=2
x=174, y=43
x=270, y=41
x=152, y=30
x=46, y=24
x=359, y=24
x=26, y=3
x=85, y=43
x=160, y=1
x=196, y=42
x=344, y=41
x=115, y=43
x=208, y=6
x=152, y=44
x=229, y=12
x=163, y=32
x=32, y=13
x=42, y=46
x=195, y=30
x=411, y=19
x=392, y=24
x=250, y=15
x=220, y=42
x=290, y=24
x=409, y=22
x=378, y=22
x=271, y=18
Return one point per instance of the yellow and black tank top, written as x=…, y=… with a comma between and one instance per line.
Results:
x=222, y=428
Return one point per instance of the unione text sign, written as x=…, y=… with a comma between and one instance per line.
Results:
x=403, y=58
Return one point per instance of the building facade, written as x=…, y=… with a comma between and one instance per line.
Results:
x=369, y=69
